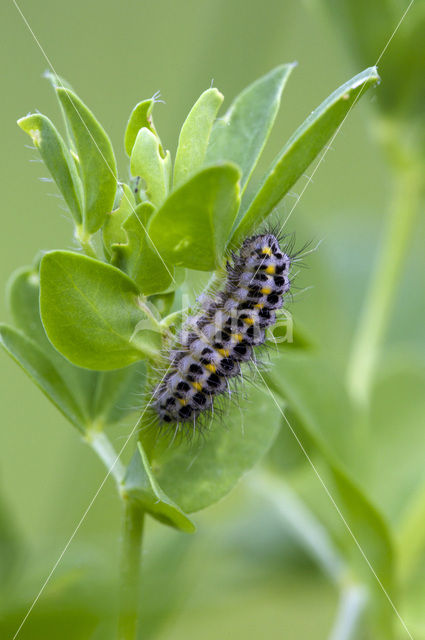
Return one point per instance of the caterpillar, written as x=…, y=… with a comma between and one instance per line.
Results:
x=215, y=341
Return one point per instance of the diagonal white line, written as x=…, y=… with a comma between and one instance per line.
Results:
x=395, y=31
x=328, y=146
x=89, y=132
x=332, y=499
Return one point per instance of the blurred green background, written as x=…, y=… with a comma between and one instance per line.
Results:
x=245, y=573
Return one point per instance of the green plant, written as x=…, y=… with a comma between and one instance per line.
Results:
x=90, y=323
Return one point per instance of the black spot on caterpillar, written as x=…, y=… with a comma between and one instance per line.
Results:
x=214, y=342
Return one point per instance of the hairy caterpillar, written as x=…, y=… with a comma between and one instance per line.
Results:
x=215, y=341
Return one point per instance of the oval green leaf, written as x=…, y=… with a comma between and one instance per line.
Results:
x=195, y=134
x=57, y=159
x=200, y=473
x=23, y=296
x=241, y=134
x=90, y=313
x=302, y=148
x=192, y=226
x=96, y=158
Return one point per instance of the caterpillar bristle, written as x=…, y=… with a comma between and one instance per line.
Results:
x=224, y=332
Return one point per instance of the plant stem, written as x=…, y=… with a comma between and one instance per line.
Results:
x=101, y=444
x=130, y=570
x=352, y=604
x=380, y=298
x=306, y=528
x=84, y=239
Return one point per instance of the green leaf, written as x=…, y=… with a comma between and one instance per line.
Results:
x=302, y=148
x=200, y=473
x=241, y=134
x=96, y=159
x=139, y=258
x=23, y=294
x=192, y=226
x=112, y=230
x=141, y=485
x=41, y=370
x=195, y=134
x=151, y=165
x=57, y=159
x=102, y=397
x=140, y=117
x=90, y=312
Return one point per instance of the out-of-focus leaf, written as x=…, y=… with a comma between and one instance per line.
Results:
x=141, y=485
x=151, y=165
x=302, y=148
x=241, y=134
x=297, y=384
x=57, y=159
x=198, y=474
x=192, y=226
x=96, y=160
x=195, y=134
x=367, y=28
x=33, y=361
x=140, y=117
x=90, y=312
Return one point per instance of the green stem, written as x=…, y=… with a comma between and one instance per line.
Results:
x=380, y=298
x=84, y=239
x=353, y=600
x=102, y=446
x=130, y=570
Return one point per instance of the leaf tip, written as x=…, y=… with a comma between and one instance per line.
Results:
x=27, y=124
x=371, y=74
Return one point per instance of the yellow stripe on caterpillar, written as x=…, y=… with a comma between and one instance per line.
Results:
x=248, y=321
x=271, y=269
x=182, y=401
x=265, y=291
x=237, y=336
x=211, y=367
x=267, y=251
x=197, y=385
x=259, y=305
x=224, y=352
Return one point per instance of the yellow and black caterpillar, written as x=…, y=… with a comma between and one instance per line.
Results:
x=215, y=341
